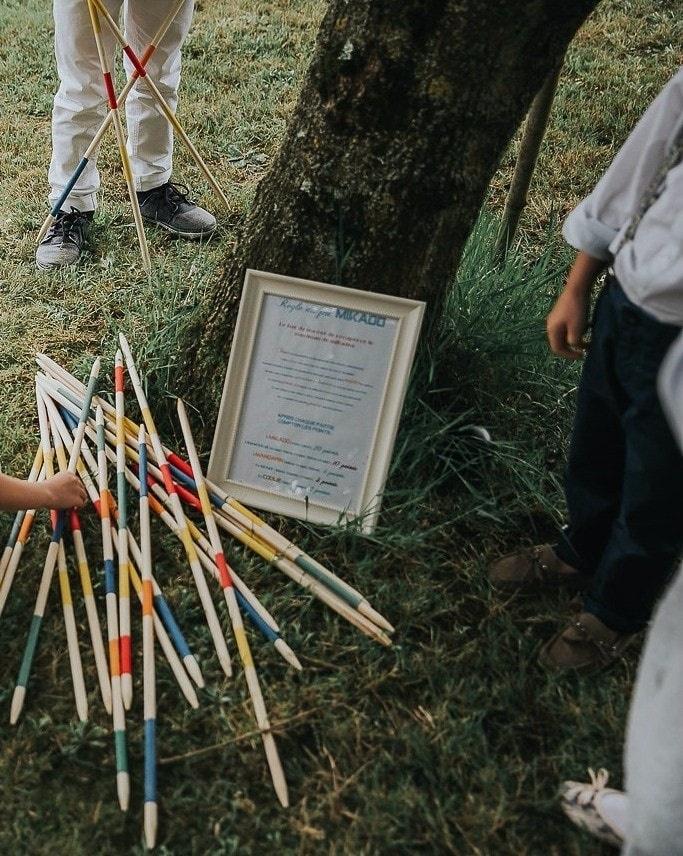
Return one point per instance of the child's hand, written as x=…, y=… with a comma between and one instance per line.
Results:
x=65, y=490
x=566, y=324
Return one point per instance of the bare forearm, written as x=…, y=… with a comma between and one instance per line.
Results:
x=584, y=273
x=567, y=322
x=16, y=494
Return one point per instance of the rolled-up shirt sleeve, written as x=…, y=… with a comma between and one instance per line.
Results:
x=584, y=230
x=597, y=221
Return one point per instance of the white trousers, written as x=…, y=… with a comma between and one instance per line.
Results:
x=80, y=103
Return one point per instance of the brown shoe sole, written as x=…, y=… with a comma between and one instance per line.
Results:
x=573, y=583
x=598, y=665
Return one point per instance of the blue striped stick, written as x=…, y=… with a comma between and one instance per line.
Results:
x=149, y=690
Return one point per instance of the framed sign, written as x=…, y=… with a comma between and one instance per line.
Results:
x=312, y=398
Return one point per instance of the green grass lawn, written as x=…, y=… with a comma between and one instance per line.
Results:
x=452, y=741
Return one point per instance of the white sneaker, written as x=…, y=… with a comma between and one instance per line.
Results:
x=596, y=808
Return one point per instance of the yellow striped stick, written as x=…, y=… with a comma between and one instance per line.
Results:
x=75, y=663
x=120, y=139
x=83, y=567
x=272, y=755
x=149, y=690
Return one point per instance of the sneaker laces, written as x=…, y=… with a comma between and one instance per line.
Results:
x=584, y=793
x=69, y=227
x=173, y=195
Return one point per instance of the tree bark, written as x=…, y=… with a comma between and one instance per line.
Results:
x=529, y=147
x=403, y=116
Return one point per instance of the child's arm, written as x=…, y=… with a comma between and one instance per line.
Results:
x=64, y=490
x=568, y=319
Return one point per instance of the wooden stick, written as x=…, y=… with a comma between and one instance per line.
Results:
x=83, y=567
x=149, y=690
x=120, y=139
x=529, y=148
x=119, y=716
x=50, y=561
x=75, y=663
x=272, y=755
x=179, y=515
x=121, y=501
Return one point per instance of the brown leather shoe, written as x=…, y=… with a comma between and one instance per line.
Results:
x=533, y=568
x=585, y=645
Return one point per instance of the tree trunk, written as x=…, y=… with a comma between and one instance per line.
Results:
x=403, y=116
x=529, y=147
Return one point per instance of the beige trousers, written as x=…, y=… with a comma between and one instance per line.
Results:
x=80, y=102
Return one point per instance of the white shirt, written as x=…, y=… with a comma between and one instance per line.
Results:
x=650, y=266
x=653, y=758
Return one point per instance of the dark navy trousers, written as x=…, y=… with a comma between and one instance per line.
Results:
x=624, y=478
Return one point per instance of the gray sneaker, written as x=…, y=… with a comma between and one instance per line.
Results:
x=168, y=206
x=64, y=240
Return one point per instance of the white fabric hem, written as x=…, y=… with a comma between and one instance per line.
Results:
x=83, y=202
x=588, y=235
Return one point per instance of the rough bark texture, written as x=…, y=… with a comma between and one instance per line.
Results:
x=403, y=116
x=530, y=146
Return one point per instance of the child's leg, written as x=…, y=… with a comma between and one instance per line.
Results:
x=150, y=139
x=593, y=478
x=80, y=102
x=647, y=536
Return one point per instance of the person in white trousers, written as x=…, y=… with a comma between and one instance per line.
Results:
x=647, y=818
x=80, y=106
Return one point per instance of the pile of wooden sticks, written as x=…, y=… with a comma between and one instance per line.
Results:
x=72, y=417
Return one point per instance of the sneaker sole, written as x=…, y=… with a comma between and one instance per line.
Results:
x=190, y=236
x=56, y=266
